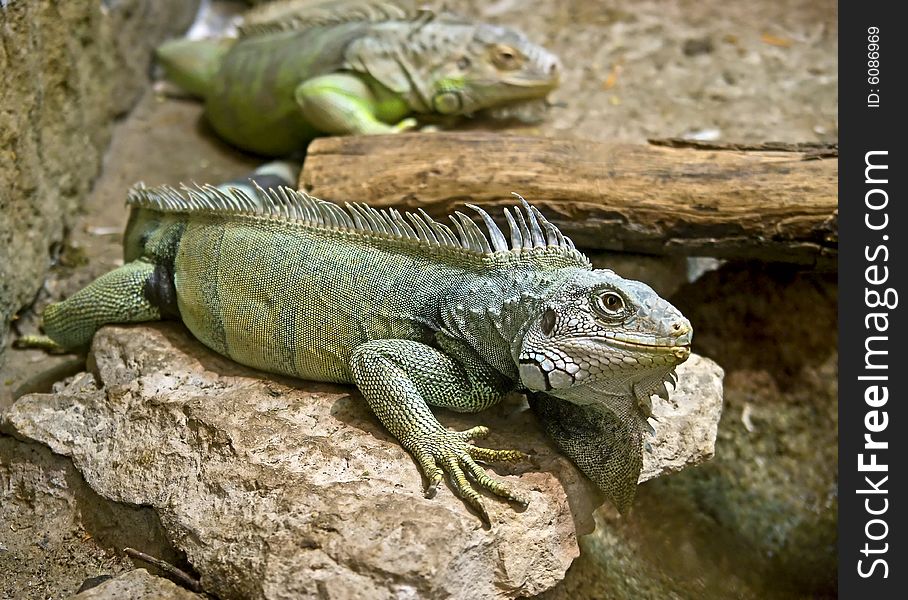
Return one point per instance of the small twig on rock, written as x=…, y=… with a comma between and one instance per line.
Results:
x=185, y=578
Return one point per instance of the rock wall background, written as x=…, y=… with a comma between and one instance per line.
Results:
x=68, y=70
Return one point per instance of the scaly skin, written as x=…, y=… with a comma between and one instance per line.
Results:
x=411, y=313
x=272, y=91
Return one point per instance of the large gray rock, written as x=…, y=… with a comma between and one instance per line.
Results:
x=67, y=69
x=277, y=488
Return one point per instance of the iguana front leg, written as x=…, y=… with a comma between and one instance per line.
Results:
x=399, y=378
x=342, y=104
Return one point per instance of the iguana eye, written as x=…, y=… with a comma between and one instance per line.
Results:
x=463, y=63
x=506, y=58
x=547, y=324
x=609, y=304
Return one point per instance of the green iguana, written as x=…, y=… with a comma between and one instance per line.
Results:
x=354, y=67
x=411, y=311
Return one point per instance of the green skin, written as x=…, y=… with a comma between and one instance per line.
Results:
x=409, y=322
x=271, y=93
x=258, y=99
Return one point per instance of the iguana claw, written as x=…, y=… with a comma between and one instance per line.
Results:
x=457, y=457
x=39, y=342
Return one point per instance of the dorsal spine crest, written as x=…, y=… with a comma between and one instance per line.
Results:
x=531, y=234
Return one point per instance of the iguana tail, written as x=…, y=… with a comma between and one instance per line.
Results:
x=271, y=175
x=192, y=64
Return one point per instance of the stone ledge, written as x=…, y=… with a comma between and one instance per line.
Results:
x=274, y=486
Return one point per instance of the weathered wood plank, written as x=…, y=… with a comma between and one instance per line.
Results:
x=771, y=205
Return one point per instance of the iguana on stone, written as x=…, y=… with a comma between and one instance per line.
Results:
x=411, y=311
x=354, y=67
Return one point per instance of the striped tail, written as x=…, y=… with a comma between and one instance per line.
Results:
x=272, y=175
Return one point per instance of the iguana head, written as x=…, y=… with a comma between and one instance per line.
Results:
x=599, y=335
x=447, y=65
x=498, y=67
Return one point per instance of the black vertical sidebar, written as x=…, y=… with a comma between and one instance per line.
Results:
x=873, y=235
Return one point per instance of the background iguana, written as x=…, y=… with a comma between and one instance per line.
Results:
x=413, y=312
x=353, y=67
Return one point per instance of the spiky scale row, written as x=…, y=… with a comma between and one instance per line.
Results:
x=293, y=15
x=528, y=231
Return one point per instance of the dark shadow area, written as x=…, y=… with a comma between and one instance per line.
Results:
x=777, y=317
x=57, y=532
x=116, y=525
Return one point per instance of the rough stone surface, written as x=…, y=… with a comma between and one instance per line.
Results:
x=763, y=70
x=67, y=69
x=137, y=584
x=55, y=532
x=279, y=488
x=686, y=424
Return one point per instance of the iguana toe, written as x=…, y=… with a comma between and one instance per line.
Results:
x=474, y=433
x=481, y=477
x=490, y=455
x=39, y=342
x=450, y=452
x=432, y=472
x=463, y=488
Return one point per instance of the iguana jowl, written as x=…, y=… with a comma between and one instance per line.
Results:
x=412, y=311
x=355, y=67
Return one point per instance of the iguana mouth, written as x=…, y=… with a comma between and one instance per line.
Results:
x=656, y=346
x=678, y=342
x=681, y=351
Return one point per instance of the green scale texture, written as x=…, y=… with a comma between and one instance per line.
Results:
x=413, y=315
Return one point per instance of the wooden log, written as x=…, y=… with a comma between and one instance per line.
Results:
x=724, y=202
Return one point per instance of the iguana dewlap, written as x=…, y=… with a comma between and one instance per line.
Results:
x=411, y=311
x=354, y=67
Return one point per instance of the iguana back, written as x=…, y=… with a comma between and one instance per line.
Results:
x=250, y=99
x=287, y=297
x=296, y=285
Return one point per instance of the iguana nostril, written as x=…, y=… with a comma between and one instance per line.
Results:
x=680, y=327
x=681, y=331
